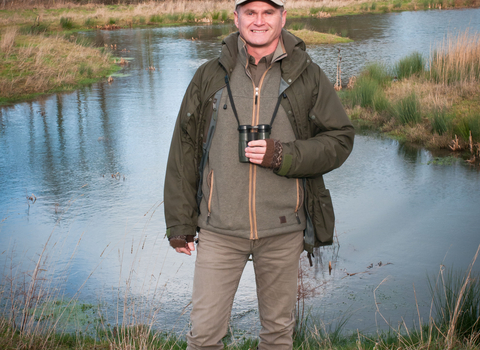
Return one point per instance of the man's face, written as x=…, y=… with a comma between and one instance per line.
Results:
x=260, y=24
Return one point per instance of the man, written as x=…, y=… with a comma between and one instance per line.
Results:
x=266, y=199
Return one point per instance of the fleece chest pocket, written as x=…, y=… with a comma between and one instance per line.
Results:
x=324, y=217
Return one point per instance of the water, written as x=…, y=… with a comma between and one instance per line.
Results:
x=95, y=161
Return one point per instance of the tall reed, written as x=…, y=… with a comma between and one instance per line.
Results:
x=456, y=59
x=8, y=40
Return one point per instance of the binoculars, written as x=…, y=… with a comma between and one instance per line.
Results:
x=248, y=133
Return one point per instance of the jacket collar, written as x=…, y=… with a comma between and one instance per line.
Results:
x=292, y=65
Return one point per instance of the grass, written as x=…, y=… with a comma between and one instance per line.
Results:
x=126, y=14
x=414, y=64
x=425, y=101
x=315, y=38
x=35, y=64
x=34, y=314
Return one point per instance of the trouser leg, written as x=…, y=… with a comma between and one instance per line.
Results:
x=219, y=265
x=276, y=261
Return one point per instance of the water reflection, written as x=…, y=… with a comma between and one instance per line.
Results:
x=391, y=205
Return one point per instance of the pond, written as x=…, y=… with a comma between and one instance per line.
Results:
x=81, y=188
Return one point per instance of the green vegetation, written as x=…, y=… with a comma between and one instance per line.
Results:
x=172, y=12
x=413, y=64
x=66, y=22
x=434, y=103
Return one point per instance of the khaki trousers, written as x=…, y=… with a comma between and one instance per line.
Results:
x=218, y=268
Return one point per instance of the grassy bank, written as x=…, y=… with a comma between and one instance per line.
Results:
x=434, y=101
x=455, y=302
x=58, y=15
x=33, y=64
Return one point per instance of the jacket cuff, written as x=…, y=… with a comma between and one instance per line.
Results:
x=181, y=230
x=286, y=162
x=180, y=241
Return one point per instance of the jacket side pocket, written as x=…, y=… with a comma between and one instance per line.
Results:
x=324, y=217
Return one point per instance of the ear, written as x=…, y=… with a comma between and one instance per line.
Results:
x=235, y=14
x=284, y=18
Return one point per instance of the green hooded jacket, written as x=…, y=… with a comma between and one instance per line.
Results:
x=324, y=138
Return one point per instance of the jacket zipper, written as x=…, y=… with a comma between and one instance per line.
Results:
x=299, y=201
x=253, y=169
x=209, y=203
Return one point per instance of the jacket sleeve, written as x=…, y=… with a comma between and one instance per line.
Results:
x=180, y=188
x=331, y=141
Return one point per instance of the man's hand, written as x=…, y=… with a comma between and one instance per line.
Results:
x=256, y=151
x=189, y=247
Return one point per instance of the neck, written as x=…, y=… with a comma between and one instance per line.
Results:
x=259, y=52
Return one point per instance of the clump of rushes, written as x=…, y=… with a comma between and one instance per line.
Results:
x=38, y=64
x=66, y=23
x=224, y=15
x=296, y=26
x=407, y=110
x=440, y=121
x=368, y=91
x=156, y=19
x=215, y=15
x=414, y=64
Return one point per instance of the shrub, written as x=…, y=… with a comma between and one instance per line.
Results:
x=413, y=64
x=407, y=110
x=112, y=20
x=397, y=4
x=190, y=17
x=384, y=9
x=215, y=15
x=141, y=20
x=66, y=23
x=373, y=7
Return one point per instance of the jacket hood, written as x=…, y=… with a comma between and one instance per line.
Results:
x=292, y=66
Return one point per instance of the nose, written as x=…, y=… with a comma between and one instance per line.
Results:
x=259, y=19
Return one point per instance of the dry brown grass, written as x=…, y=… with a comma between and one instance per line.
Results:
x=8, y=40
x=38, y=64
x=124, y=14
x=456, y=59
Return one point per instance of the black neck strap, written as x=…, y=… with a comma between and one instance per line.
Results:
x=235, y=110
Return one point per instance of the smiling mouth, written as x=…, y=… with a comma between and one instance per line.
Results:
x=259, y=31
